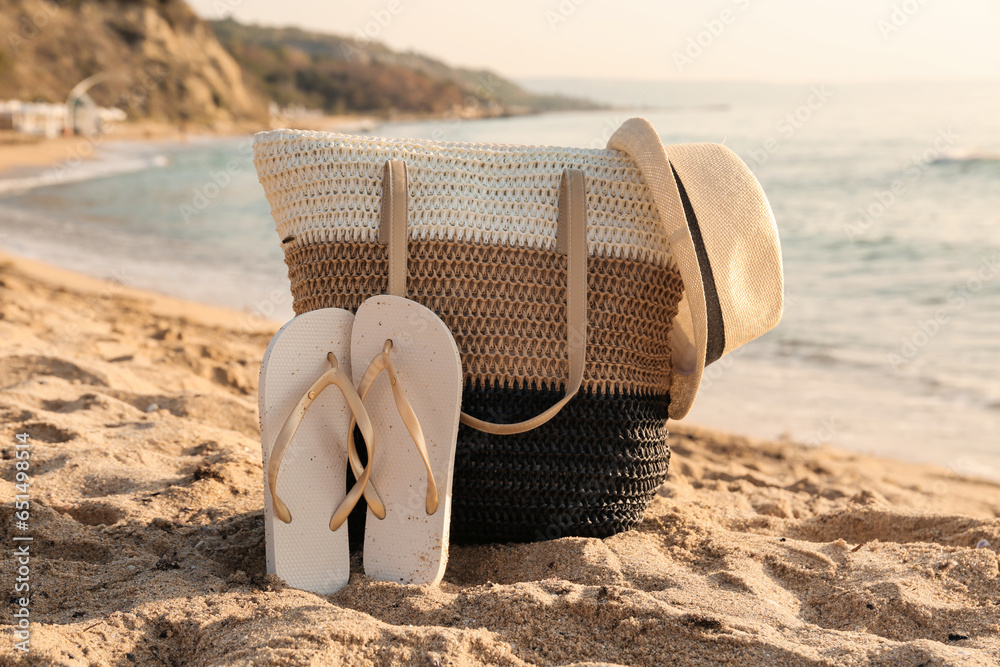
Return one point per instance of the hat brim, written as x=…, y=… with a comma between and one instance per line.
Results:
x=688, y=339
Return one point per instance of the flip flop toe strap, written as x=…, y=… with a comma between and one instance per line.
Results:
x=338, y=378
x=383, y=362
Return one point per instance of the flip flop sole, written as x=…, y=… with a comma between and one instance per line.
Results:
x=408, y=545
x=312, y=479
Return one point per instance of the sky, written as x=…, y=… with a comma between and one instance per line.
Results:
x=743, y=40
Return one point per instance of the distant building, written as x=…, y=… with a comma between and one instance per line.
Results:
x=47, y=120
x=81, y=116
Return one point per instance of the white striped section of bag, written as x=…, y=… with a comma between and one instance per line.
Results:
x=326, y=187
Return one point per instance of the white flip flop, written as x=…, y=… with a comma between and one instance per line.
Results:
x=417, y=399
x=304, y=437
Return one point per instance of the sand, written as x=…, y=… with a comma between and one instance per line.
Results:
x=146, y=513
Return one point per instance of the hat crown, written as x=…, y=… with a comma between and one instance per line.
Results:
x=740, y=238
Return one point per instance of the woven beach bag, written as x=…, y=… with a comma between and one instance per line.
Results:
x=479, y=234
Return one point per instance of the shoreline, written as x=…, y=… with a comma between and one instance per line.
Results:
x=158, y=303
x=26, y=151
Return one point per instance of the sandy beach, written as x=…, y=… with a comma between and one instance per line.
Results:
x=148, y=541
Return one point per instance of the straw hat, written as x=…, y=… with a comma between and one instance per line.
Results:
x=723, y=237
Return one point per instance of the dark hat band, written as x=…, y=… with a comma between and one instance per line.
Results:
x=716, y=343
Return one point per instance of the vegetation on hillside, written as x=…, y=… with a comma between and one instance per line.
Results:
x=300, y=68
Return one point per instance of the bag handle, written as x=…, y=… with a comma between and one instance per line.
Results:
x=571, y=240
x=392, y=223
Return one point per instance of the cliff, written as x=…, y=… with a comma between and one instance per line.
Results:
x=153, y=59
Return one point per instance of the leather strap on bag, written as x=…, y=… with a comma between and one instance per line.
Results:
x=392, y=227
x=571, y=240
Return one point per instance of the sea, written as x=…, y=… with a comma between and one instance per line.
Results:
x=886, y=196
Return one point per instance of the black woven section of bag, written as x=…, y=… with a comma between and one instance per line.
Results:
x=591, y=471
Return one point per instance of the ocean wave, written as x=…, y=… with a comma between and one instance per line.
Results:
x=109, y=164
x=967, y=155
x=865, y=373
